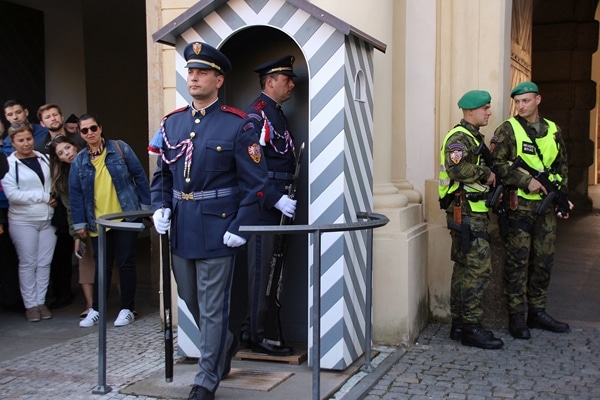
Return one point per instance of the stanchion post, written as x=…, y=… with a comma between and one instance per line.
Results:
x=102, y=387
x=367, y=367
x=316, y=316
x=374, y=221
x=103, y=222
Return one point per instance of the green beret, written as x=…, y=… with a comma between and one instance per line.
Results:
x=524, y=87
x=474, y=99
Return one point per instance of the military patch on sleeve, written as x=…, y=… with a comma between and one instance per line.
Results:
x=255, y=152
x=456, y=156
x=456, y=146
x=492, y=147
x=456, y=151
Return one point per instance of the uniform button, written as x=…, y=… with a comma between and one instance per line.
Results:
x=218, y=148
x=192, y=134
x=224, y=215
x=197, y=120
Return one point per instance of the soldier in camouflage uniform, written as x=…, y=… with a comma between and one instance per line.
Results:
x=463, y=190
x=530, y=241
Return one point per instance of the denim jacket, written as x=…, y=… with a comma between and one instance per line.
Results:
x=128, y=177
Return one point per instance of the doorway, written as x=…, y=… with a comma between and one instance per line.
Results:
x=246, y=49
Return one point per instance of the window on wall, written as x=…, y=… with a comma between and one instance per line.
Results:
x=359, y=86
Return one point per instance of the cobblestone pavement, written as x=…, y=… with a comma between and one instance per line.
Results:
x=69, y=369
x=549, y=366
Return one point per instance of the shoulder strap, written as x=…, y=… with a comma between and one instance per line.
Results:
x=116, y=142
x=260, y=104
x=234, y=110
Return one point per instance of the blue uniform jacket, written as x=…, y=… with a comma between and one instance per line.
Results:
x=124, y=170
x=276, y=162
x=224, y=156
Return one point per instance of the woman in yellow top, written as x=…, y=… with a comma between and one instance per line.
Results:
x=107, y=178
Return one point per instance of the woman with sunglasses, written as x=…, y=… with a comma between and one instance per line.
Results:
x=107, y=178
x=27, y=186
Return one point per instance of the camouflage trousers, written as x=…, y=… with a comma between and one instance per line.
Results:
x=529, y=249
x=472, y=271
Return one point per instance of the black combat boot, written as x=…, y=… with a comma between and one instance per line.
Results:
x=517, y=327
x=457, y=329
x=538, y=318
x=475, y=336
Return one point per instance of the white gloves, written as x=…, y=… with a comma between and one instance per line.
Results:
x=286, y=205
x=162, y=221
x=233, y=240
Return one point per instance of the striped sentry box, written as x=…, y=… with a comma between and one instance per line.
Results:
x=340, y=156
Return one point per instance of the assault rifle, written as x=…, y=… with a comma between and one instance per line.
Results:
x=273, y=332
x=485, y=153
x=555, y=195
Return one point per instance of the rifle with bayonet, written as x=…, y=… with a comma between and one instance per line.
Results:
x=554, y=195
x=273, y=331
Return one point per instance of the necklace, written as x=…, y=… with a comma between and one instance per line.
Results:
x=97, y=152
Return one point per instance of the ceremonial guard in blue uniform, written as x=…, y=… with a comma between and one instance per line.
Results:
x=277, y=82
x=210, y=179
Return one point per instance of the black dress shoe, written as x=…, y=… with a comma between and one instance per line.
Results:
x=456, y=330
x=271, y=349
x=245, y=340
x=517, y=327
x=475, y=336
x=230, y=353
x=541, y=320
x=200, y=393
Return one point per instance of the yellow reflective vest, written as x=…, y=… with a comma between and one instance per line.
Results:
x=526, y=150
x=447, y=186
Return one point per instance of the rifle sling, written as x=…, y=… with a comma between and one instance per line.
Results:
x=531, y=137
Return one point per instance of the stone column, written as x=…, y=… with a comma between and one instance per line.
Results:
x=565, y=35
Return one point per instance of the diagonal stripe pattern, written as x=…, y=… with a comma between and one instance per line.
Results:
x=340, y=155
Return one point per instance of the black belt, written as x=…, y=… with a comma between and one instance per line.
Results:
x=284, y=176
x=205, y=194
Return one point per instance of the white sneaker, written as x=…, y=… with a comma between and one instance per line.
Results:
x=125, y=318
x=92, y=319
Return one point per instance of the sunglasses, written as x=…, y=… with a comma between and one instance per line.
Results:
x=19, y=125
x=84, y=131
